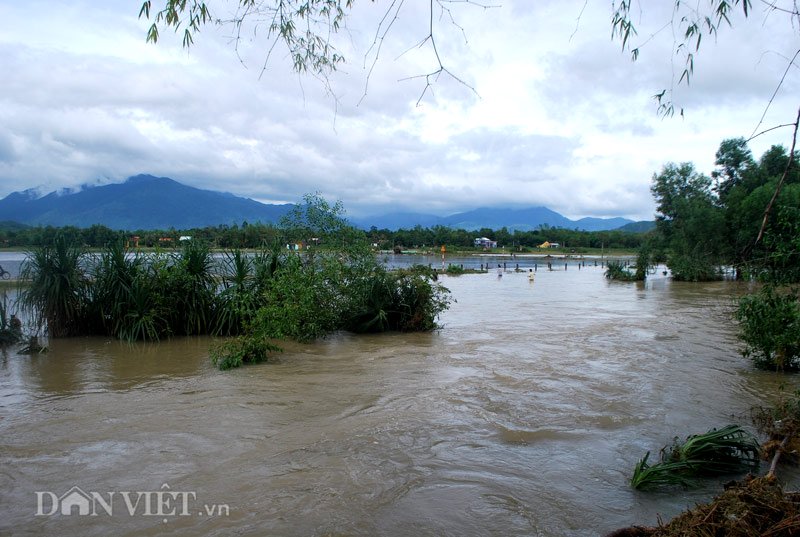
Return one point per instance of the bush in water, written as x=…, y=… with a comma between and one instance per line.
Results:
x=770, y=328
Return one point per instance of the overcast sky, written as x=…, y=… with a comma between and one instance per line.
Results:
x=559, y=116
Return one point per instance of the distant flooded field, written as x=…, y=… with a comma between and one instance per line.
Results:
x=523, y=415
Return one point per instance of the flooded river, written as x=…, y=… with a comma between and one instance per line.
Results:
x=524, y=415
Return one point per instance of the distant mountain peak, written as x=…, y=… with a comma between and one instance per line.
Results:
x=141, y=202
x=146, y=201
x=511, y=218
x=146, y=178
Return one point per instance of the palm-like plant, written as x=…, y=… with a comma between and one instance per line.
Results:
x=55, y=293
x=197, y=267
x=236, y=302
x=114, y=276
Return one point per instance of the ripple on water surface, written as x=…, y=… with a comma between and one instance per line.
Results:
x=524, y=415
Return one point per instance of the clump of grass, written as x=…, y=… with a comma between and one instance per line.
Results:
x=728, y=450
x=616, y=270
x=455, y=270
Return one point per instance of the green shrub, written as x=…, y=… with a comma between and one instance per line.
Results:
x=693, y=269
x=769, y=324
x=405, y=301
x=616, y=270
x=240, y=350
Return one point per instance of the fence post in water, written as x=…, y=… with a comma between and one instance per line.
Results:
x=517, y=267
x=504, y=266
x=535, y=267
x=549, y=266
x=579, y=266
x=565, y=266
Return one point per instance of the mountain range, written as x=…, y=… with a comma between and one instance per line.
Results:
x=148, y=202
x=494, y=218
x=141, y=202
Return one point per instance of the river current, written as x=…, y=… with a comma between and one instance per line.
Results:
x=524, y=415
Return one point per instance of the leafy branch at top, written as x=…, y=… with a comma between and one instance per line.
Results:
x=304, y=27
x=689, y=25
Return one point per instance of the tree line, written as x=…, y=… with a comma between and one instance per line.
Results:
x=255, y=235
x=707, y=223
x=745, y=216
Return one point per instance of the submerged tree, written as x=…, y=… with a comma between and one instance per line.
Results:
x=688, y=222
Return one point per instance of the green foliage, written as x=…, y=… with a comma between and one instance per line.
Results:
x=236, y=303
x=114, y=277
x=661, y=474
x=690, y=225
x=454, y=270
x=690, y=24
x=616, y=270
x=734, y=161
x=240, y=350
x=56, y=290
x=728, y=450
x=406, y=301
x=146, y=315
x=138, y=297
x=306, y=296
x=191, y=286
x=419, y=301
x=770, y=328
x=257, y=235
x=303, y=300
x=336, y=284
x=689, y=268
x=781, y=250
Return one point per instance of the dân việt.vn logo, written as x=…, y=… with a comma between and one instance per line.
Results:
x=157, y=503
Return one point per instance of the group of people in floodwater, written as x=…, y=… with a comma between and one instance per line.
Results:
x=531, y=274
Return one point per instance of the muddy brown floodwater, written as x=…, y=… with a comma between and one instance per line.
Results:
x=524, y=415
